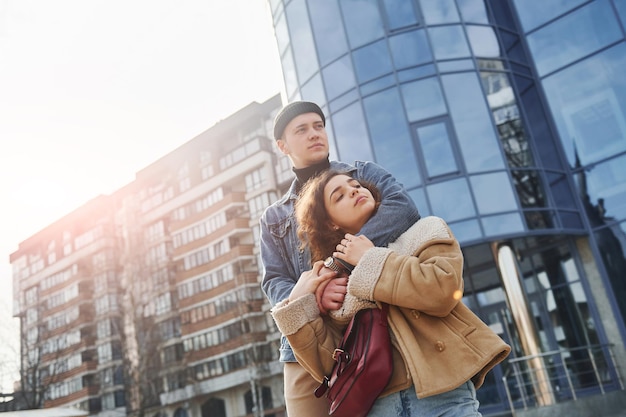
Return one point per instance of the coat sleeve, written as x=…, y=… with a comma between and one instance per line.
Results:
x=422, y=271
x=313, y=338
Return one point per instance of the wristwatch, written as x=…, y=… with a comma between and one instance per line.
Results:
x=330, y=263
x=338, y=265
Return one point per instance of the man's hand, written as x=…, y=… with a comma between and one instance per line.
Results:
x=310, y=281
x=331, y=293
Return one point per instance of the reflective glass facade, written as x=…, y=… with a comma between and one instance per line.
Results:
x=507, y=118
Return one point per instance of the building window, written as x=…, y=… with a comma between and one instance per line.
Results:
x=207, y=172
x=256, y=179
x=163, y=303
x=103, y=328
x=400, y=14
x=206, y=282
x=105, y=353
x=31, y=295
x=435, y=142
x=88, y=237
x=258, y=203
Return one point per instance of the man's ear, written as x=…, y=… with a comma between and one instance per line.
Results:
x=282, y=146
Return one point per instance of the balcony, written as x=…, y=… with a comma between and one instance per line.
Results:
x=230, y=199
x=74, y=397
x=239, y=251
x=233, y=227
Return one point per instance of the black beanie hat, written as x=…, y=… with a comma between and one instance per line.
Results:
x=290, y=111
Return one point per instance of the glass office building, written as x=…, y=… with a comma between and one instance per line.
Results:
x=507, y=118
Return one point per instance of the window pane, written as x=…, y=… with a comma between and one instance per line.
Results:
x=349, y=125
x=620, y=5
x=484, y=42
x=339, y=77
x=419, y=197
x=435, y=145
x=302, y=43
x=410, y=49
x=328, y=30
x=378, y=84
x=400, y=13
x=538, y=125
x=533, y=13
x=590, y=118
x=289, y=73
x=449, y=42
x=282, y=34
x=415, y=73
x=313, y=90
x=503, y=105
x=472, y=122
x=606, y=188
x=439, y=11
x=503, y=15
x=466, y=231
x=493, y=193
x=473, y=11
x=613, y=252
x=574, y=36
x=451, y=200
x=561, y=191
x=363, y=22
x=423, y=99
x=390, y=136
x=571, y=220
x=456, y=65
x=372, y=61
x=503, y=224
x=540, y=219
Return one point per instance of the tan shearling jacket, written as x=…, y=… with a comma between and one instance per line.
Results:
x=439, y=343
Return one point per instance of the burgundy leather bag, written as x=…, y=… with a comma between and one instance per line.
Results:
x=363, y=365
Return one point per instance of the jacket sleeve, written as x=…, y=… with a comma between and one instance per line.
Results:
x=430, y=280
x=397, y=211
x=313, y=338
x=278, y=276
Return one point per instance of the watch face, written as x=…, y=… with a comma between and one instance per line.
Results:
x=330, y=263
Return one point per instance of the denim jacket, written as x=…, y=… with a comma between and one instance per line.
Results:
x=284, y=261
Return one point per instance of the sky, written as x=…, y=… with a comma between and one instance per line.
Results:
x=93, y=91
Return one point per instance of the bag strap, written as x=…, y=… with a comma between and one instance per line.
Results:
x=384, y=310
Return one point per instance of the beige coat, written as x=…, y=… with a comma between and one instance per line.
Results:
x=439, y=343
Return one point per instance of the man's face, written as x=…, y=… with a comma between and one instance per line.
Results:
x=305, y=140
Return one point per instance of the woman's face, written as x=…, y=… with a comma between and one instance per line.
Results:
x=348, y=204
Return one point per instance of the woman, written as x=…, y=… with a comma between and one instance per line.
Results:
x=442, y=351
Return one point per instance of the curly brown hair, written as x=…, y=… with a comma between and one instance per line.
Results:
x=314, y=224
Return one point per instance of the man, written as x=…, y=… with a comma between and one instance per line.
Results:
x=300, y=133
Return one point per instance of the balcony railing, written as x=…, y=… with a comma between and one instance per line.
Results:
x=560, y=375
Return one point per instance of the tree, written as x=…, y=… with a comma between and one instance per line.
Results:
x=9, y=358
x=145, y=279
x=40, y=360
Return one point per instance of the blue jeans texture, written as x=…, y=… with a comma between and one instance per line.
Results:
x=460, y=402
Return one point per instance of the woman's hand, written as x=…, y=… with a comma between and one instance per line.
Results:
x=351, y=248
x=309, y=281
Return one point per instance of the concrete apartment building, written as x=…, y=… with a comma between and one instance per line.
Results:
x=148, y=301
